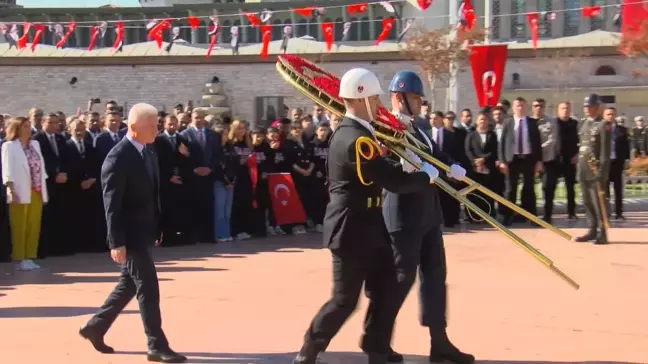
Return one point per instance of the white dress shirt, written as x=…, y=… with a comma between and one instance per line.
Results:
x=437, y=136
x=526, y=144
x=498, y=131
x=612, y=130
x=79, y=145
x=362, y=122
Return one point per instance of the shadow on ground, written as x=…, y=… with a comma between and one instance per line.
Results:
x=335, y=358
x=49, y=312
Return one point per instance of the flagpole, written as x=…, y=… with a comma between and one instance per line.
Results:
x=487, y=21
x=452, y=96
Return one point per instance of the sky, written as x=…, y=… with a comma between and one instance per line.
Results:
x=74, y=3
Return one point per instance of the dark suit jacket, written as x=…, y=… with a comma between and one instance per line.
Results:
x=80, y=168
x=103, y=143
x=417, y=211
x=53, y=164
x=354, y=219
x=475, y=149
x=171, y=162
x=507, y=147
x=621, y=143
x=210, y=156
x=130, y=198
x=568, y=138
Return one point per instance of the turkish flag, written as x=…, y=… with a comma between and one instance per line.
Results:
x=633, y=14
x=286, y=205
x=488, y=63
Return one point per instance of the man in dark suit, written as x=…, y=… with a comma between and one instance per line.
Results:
x=172, y=157
x=567, y=154
x=54, y=240
x=445, y=140
x=130, y=183
x=413, y=221
x=108, y=138
x=354, y=229
x=520, y=154
x=205, y=156
x=594, y=167
x=619, y=159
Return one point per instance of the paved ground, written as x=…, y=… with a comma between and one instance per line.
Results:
x=250, y=302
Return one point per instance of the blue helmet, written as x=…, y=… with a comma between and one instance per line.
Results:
x=407, y=81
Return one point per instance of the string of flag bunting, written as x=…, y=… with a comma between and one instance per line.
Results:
x=156, y=28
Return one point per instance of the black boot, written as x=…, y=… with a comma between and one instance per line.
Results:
x=590, y=236
x=307, y=355
x=442, y=350
x=601, y=238
x=394, y=357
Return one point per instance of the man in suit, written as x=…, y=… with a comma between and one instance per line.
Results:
x=93, y=126
x=550, y=142
x=498, y=178
x=172, y=156
x=619, y=159
x=36, y=119
x=414, y=221
x=204, y=166
x=130, y=183
x=445, y=140
x=520, y=154
x=354, y=229
x=108, y=138
x=568, y=154
x=54, y=240
x=594, y=167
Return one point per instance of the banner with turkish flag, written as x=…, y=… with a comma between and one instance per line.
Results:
x=633, y=14
x=488, y=63
x=286, y=205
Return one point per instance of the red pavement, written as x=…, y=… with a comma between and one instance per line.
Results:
x=250, y=302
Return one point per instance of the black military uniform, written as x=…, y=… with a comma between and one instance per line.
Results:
x=594, y=149
x=414, y=222
x=355, y=232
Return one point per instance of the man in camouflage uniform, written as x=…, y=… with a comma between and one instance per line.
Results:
x=595, y=148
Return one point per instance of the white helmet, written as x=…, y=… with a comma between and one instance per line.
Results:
x=359, y=83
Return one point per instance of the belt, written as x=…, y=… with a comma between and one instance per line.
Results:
x=374, y=202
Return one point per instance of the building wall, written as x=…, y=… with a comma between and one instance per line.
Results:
x=165, y=85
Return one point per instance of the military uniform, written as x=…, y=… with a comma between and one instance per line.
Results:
x=594, y=147
x=355, y=233
x=639, y=141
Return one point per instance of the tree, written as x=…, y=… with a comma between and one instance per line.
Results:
x=435, y=50
x=634, y=45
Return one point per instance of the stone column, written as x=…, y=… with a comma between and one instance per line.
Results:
x=243, y=30
x=505, y=21
x=194, y=32
x=558, y=24
x=293, y=21
x=372, y=23
x=585, y=22
x=609, y=14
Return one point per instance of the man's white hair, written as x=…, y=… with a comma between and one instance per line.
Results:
x=141, y=111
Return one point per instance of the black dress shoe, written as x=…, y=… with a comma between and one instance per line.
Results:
x=572, y=217
x=445, y=352
x=601, y=239
x=375, y=358
x=394, y=357
x=307, y=355
x=590, y=236
x=96, y=340
x=620, y=217
x=167, y=356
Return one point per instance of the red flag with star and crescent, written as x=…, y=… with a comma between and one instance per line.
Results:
x=286, y=205
x=488, y=63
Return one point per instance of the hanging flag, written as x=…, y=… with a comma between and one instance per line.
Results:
x=346, y=31
x=71, y=27
x=388, y=6
x=266, y=36
x=10, y=34
x=357, y=9
x=156, y=31
x=327, y=31
x=234, y=41
x=118, y=46
x=253, y=19
x=487, y=63
x=194, y=22
x=94, y=31
x=406, y=28
x=286, y=205
x=265, y=16
x=213, y=34
x=387, y=25
x=253, y=170
x=633, y=16
x=467, y=17
x=591, y=11
x=22, y=41
x=420, y=4
x=305, y=12
x=175, y=35
x=533, y=21
x=39, y=30
x=287, y=34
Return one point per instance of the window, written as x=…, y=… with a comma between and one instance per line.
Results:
x=301, y=28
x=338, y=28
x=605, y=71
x=608, y=99
x=354, y=31
x=364, y=28
x=515, y=79
x=277, y=29
x=572, y=17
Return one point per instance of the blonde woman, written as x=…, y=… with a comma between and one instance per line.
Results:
x=241, y=145
x=23, y=174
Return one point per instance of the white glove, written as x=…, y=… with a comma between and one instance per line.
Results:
x=407, y=167
x=457, y=172
x=431, y=171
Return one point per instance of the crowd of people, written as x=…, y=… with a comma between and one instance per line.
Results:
x=207, y=193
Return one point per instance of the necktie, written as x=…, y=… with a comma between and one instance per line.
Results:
x=148, y=163
x=81, y=148
x=114, y=137
x=438, y=138
x=53, y=143
x=201, y=137
x=172, y=139
x=520, y=138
